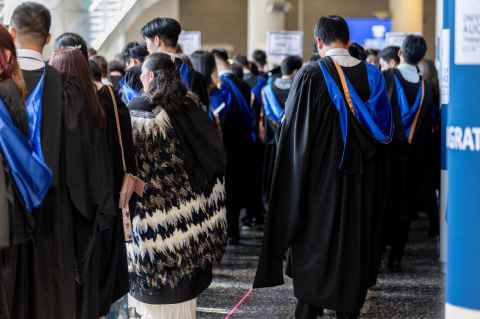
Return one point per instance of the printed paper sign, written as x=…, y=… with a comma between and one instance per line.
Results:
x=285, y=43
x=190, y=41
x=445, y=66
x=395, y=38
x=467, y=32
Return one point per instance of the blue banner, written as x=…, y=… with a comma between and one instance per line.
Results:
x=462, y=139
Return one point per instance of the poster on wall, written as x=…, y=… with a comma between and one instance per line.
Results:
x=369, y=32
x=467, y=32
x=284, y=43
x=190, y=41
x=396, y=38
x=445, y=67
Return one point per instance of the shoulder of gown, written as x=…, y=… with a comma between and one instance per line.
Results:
x=13, y=101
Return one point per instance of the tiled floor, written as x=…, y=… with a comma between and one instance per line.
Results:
x=415, y=294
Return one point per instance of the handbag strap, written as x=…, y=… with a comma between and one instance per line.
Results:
x=346, y=91
x=119, y=130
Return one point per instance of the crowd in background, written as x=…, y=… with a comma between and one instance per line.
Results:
x=130, y=176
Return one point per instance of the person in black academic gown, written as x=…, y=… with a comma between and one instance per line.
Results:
x=329, y=181
x=161, y=35
x=115, y=281
x=16, y=226
x=389, y=58
x=89, y=169
x=412, y=106
x=230, y=104
x=430, y=203
x=274, y=97
x=42, y=269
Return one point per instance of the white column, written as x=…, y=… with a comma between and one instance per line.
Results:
x=407, y=15
x=260, y=21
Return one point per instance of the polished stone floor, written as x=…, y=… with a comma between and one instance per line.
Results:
x=417, y=293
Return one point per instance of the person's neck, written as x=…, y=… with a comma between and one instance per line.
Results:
x=168, y=50
x=403, y=62
x=262, y=68
x=29, y=46
x=332, y=46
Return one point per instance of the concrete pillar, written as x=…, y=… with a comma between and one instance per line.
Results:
x=407, y=15
x=260, y=21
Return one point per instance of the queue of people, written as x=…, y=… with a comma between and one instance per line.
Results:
x=130, y=177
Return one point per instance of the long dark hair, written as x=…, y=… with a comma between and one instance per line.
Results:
x=72, y=40
x=204, y=63
x=71, y=61
x=9, y=68
x=166, y=90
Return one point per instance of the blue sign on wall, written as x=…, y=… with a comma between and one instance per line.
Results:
x=369, y=32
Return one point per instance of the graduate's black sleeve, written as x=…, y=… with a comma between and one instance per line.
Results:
x=292, y=162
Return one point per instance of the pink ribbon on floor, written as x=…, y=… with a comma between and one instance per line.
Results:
x=239, y=304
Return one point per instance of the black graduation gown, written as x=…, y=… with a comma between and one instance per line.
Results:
x=114, y=281
x=19, y=225
x=52, y=275
x=198, y=83
x=239, y=146
x=408, y=163
x=328, y=215
x=271, y=134
x=89, y=177
x=40, y=273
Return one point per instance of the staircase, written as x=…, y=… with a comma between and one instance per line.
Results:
x=103, y=18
